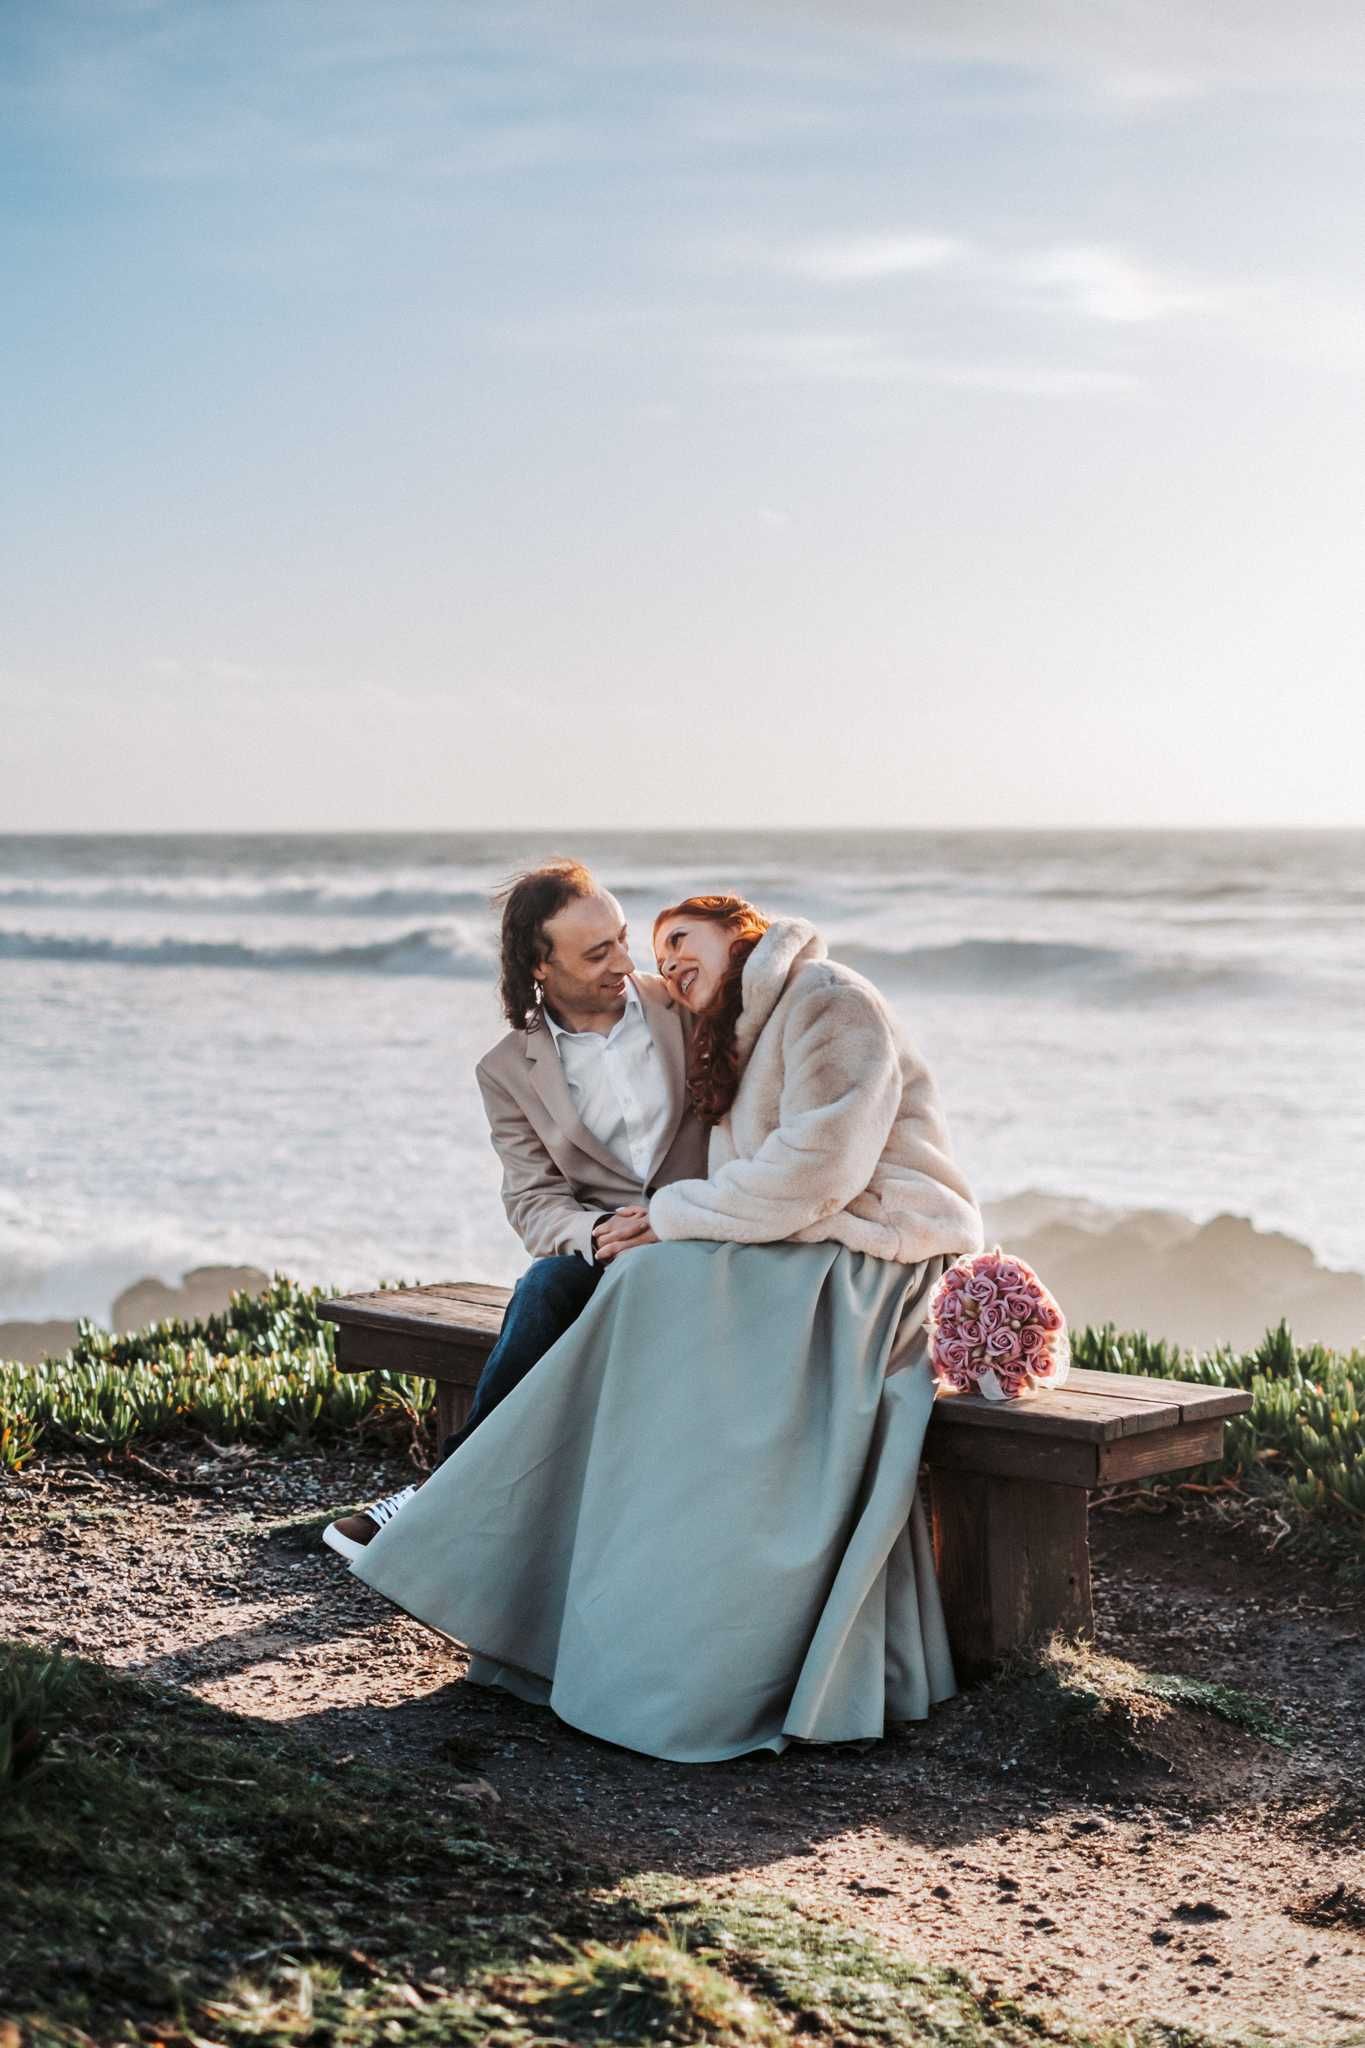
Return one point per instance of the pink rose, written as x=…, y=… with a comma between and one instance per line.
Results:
x=1033, y=1287
x=1003, y=1347
x=1020, y=1305
x=1032, y=1342
x=956, y=1354
x=980, y=1289
x=1010, y=1274
x=993, y=1317
x=1011, y=1384
x=1048, y=1316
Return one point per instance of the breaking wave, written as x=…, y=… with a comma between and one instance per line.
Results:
x=1006, y=967
x=430, y=949
x=281, y=899
x=983, y=968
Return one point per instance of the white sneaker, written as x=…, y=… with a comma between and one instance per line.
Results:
x=353, y=1532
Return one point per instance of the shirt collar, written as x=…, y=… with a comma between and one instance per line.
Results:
x=632, y=996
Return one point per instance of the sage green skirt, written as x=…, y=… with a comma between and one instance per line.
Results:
x=693, y=1529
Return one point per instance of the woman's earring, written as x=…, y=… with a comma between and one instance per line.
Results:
x=539, y=993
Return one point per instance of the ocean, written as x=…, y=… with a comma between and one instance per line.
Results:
x=259, y=1049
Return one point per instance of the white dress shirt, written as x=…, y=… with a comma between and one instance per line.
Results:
x=618, y=1086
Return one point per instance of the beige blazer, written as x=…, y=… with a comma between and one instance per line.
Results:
x=556, y=1178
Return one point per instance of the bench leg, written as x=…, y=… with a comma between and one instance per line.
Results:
x=452, y=1409
x=1013, y=1562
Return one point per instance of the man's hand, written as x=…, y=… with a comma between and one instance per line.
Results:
x=625, y=1231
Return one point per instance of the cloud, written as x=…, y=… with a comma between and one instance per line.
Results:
x=1139, y=53
x=857, y=259
x=877, y=359
x=1104, y=284
x=1095, y=281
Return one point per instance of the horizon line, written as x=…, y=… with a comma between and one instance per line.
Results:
x=540, y=830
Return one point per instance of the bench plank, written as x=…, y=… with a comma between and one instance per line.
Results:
x=1046, y=1460
x=1144, y=1457
x=457, y=1311
x=1196, y=1403
x=1089, y=1417
x=1008, y=1480
x=451, y=1327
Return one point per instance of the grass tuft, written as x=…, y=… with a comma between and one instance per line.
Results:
x=651, y=1989
x=830, y=1984
x=32, y=1693
x=1068, y=1708
x=1223, y=1702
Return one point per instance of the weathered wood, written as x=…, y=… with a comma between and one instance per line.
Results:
x=369, y=1350
x=1058, y=1412
x=452, y=1409
x=1047, y=1460
x=1196, y=1403
x=451, y=1310
x=1013, y=1564
x=1143, y=1457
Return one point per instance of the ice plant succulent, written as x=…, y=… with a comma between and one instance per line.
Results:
x=995, y=1330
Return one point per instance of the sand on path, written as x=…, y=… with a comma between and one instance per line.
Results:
x=1177, y=1897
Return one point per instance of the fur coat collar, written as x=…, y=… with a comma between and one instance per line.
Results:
x=788, y=943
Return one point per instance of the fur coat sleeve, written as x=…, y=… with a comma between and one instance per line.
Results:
x=836, y=1082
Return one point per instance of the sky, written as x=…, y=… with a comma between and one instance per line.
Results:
x=441, y=414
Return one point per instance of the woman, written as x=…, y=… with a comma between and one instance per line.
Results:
x=693, y=1529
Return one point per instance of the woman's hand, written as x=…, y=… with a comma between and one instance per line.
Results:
x=626, y=1231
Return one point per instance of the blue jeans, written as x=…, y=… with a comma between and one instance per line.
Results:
x=549, y=1296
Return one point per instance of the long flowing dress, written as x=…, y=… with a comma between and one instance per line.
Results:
x=693, y=1528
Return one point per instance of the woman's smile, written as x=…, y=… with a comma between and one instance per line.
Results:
x=692, y=957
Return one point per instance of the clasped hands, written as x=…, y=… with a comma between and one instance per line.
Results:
x=623, y=1231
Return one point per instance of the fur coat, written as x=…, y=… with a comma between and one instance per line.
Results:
x=835, y=1132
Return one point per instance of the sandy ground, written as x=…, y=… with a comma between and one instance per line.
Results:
x=1187, y=1894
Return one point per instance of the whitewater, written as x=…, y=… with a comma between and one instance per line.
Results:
x=259, y=1050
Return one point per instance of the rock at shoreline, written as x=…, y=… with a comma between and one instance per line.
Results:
x=1222, y=1282
x=30, y=1343
x=206, y=1291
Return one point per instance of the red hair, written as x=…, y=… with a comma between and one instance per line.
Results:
x=713, y=1064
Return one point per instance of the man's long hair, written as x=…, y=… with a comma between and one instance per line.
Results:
x=713, y=1061
x=528, y=902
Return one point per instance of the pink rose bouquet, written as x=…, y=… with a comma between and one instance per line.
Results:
x=995, y=1330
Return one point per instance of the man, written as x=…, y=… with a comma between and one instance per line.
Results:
x=587, y=1109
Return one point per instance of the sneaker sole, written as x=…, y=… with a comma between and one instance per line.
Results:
x=345, y=1545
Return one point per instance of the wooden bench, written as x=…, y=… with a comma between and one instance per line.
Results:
x=1008, y=1482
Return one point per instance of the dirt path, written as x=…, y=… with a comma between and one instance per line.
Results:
x=1117, y=1895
